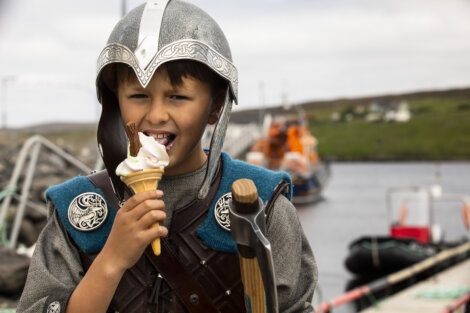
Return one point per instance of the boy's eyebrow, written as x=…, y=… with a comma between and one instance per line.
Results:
x=177, y=87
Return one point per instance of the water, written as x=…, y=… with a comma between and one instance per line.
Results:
x=355, y=205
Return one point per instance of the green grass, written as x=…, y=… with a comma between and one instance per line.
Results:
x=438, y=130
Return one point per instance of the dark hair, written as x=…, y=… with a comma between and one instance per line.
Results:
x=176, y=70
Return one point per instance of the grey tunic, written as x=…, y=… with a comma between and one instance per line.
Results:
x=56, y=269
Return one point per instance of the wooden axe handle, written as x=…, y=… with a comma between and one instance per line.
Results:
x=245, y=201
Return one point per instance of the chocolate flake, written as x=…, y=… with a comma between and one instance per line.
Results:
x=134, y=142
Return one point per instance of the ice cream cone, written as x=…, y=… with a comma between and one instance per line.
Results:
x=143, y=181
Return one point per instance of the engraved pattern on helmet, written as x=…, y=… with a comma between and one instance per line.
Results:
x=54, y=307
x=222, y=212
x=87, y=211
x=182, y=49
x=118, y=53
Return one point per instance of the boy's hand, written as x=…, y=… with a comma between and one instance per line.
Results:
x=132, y=232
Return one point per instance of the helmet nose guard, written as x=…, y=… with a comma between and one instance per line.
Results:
x=147, y=37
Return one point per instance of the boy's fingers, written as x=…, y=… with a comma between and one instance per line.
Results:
x=145, y=206
x=140, y=197
x=153, y=233
x=152, y=217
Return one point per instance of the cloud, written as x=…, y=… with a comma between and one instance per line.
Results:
x=371, y=47
x=301, y=49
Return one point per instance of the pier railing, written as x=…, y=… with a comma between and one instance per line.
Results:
x=26, y=163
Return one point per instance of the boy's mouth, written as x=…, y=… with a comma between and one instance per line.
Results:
x=162, y=137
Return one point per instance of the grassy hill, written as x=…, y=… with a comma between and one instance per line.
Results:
x=438, y=130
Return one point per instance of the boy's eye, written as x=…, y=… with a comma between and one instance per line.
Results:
x=178, y=97
x=138, y=96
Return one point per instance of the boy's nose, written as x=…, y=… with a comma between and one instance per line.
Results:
x=157, y=113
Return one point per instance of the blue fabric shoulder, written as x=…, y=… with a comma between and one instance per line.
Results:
x=62, y=195
x=266, y=181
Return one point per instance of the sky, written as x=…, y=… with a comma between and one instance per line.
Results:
x=286, y=51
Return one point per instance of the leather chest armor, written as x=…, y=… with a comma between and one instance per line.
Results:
x=143, y=289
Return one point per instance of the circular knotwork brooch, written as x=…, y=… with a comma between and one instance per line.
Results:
x=87, y=211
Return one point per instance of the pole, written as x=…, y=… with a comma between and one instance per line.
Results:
x=4, y=84
x=261, y=104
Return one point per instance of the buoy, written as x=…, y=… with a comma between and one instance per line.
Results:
x=402, y=214
x=466, y=215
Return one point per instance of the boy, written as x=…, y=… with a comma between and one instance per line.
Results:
x=167, y=67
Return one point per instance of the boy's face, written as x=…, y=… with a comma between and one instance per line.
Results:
x=175, y=115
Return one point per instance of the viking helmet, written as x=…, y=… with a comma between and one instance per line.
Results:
x=152, y=34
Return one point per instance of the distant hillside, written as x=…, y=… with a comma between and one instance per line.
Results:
x=438, y=129
x=71, y=136
x=49, y=128
x=252, y=115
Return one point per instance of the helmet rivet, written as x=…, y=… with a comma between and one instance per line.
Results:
x=194, y=299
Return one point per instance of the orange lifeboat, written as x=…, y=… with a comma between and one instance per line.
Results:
x=289, y=146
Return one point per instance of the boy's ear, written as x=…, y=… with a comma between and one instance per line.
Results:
x=213, y=117
x=217, y=104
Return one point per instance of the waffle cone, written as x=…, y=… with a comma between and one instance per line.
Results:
x=144, y=181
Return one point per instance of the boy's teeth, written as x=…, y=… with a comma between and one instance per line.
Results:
x=162, y=141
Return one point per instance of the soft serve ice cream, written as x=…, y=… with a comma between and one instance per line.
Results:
x=151, y=155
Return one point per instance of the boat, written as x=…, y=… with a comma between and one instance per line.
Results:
x=288, y=145
x=414, y=238
x=414, y=262
x=414, y=235
x=375, y=256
